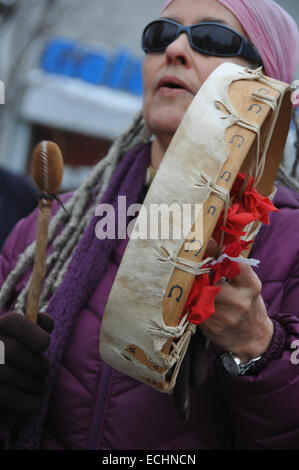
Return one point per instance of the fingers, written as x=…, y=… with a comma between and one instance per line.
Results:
x=247, y=279
x=212, y=248
x=239, y=293
x=20, y=357
x=23, y=376
x=21, y=381
x=29, y=334
x=19, y=402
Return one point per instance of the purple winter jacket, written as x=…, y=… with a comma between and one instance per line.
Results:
x=95, y=407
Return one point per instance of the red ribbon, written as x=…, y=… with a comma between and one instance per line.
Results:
x=201, y=300
x=236, y=221
x=251, y=201
x=249, y=207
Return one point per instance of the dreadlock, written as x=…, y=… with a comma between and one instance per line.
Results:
x=75, y=219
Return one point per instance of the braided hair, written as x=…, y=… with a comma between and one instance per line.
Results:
x=75, y=220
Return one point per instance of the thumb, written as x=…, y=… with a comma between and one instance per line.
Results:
x=212, y=248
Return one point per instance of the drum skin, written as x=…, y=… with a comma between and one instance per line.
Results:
x=237, y=118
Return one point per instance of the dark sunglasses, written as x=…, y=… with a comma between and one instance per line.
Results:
x=207, y=38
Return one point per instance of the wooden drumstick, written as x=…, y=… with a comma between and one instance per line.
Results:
x=47, y=172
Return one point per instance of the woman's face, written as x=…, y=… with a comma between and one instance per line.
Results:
x=164, y=107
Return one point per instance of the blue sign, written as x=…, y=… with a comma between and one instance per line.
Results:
x=120, y=71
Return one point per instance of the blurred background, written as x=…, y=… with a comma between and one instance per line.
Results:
x=72, y=74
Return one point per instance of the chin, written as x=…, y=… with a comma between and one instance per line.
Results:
x=164, y=123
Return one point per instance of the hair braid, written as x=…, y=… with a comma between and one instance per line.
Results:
x=74, y=221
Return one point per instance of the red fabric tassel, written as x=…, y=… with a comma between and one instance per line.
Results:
x=201, y=300
x=250, y=207
x=205, y=307
x=251, y=201
x=235, y=223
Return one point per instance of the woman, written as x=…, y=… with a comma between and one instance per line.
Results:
x=87, y=405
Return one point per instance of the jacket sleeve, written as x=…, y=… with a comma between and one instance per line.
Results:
x=264, y=411
x=10, y=252
x=21, y=236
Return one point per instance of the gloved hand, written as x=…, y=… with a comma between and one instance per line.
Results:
x=191, y=375
x=23, y=377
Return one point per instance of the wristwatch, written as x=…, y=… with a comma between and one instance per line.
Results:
x=234, y=366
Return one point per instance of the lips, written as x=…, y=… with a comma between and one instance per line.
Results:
x=168, y=83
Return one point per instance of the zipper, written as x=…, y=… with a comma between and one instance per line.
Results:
x=97, y=422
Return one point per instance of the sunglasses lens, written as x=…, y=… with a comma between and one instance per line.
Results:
x=207, y=38
x=158, y=35
x=216, y=40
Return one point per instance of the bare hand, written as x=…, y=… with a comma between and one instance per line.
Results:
x=240, y=324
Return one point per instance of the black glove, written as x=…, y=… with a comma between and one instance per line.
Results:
x=23, y=377
x=191, y=375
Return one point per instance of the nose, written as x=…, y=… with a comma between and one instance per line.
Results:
x=179, y=51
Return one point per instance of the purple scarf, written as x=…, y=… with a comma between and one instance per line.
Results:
x=86, y=269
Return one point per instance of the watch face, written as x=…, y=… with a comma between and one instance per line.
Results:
x=230, y=365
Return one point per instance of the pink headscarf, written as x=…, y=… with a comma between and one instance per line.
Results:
x=273, y=32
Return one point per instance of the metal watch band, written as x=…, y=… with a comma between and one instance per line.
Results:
x=245, y=367
x=234, y=366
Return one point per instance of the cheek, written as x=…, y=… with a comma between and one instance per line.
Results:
x=208, y=64
x=146, y=107
x=151, y=65
x=149, y=70
x=147, y=78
